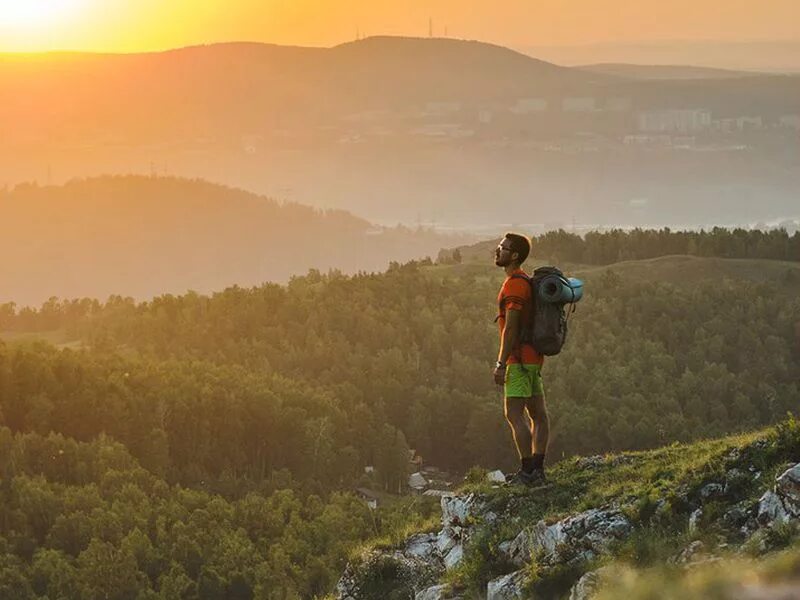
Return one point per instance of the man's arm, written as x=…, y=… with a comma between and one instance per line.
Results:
x=507, y=342
x=510, y=333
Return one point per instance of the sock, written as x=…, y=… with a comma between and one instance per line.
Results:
x=537, y=460
x=528, y=464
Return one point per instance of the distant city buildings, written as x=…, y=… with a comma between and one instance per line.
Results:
x=790, y=121
x=673, y=120
x=729, y=125
x=529, y=105
x=578, y=104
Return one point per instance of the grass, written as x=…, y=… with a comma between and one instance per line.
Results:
x=657, y=489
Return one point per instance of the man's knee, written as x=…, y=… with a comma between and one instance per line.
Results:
x=537, y=409
x=514, y=411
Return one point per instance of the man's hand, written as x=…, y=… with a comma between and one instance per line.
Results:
x=499, y=375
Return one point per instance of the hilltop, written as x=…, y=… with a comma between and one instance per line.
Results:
x=193, y=91
x=715, y=519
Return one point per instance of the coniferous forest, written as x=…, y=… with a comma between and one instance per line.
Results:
x=206, y=446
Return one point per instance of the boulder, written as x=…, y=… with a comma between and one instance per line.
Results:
x=771, y=510
x=380, y=574
x=507, y=587
x=423, y=545
x=454, y=557
x=588, y=585
x=787, y=486
x=711, y=490
x=783, y=503
x=457, y=513
x=573, y=539
x=456, y=509
x=496, y=476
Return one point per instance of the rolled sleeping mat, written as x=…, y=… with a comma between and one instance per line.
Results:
x=554, y=288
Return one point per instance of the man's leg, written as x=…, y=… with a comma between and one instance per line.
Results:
x=537, y=411
x=520, y=426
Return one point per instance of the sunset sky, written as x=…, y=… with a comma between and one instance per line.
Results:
x=140, y=25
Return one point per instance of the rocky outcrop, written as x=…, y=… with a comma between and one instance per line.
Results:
x=575, y=539
x=782, y=503
x=414, y=570
x=381, y=573
x=507, y=587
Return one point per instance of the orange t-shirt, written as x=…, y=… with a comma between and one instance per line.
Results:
x=515, y=294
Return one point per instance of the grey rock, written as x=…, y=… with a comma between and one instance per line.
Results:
x=436, y=592
x=787, y=486
x=771, y=509
x=588, y=585
x=422, y=545
x=454, y=556
x=507, y=587
x=496, y=476
x=573, y=539
x=694, y=519
x=711, y=490
x=457, y=509
x=446, y=539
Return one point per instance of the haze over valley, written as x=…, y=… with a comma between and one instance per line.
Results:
x=459, y=134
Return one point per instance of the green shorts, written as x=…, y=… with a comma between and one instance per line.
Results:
x=523, y=381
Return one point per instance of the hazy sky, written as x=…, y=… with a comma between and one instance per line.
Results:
x=136, y=25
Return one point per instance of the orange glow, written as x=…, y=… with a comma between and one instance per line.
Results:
x=125, y=26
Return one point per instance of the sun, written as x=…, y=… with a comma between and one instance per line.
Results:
x=30, y=14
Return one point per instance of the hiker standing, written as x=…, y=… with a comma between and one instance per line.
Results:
x=518, y=367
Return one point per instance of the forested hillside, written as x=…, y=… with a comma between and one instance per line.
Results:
x=250, y=391
x=142, y=236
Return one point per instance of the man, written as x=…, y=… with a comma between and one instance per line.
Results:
x=518, y=366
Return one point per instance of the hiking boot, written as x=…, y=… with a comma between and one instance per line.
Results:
x=534, y=478
x=520, y=478
x=538, y=477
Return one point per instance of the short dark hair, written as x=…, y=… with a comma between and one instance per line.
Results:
x=520, y=244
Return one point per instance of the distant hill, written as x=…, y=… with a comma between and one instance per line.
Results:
x=143, y=236
x=404, y=129
x=237, y=88
x=662, y=71
x=764, y=55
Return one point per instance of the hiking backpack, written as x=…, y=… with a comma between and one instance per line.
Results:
x=547, y=325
